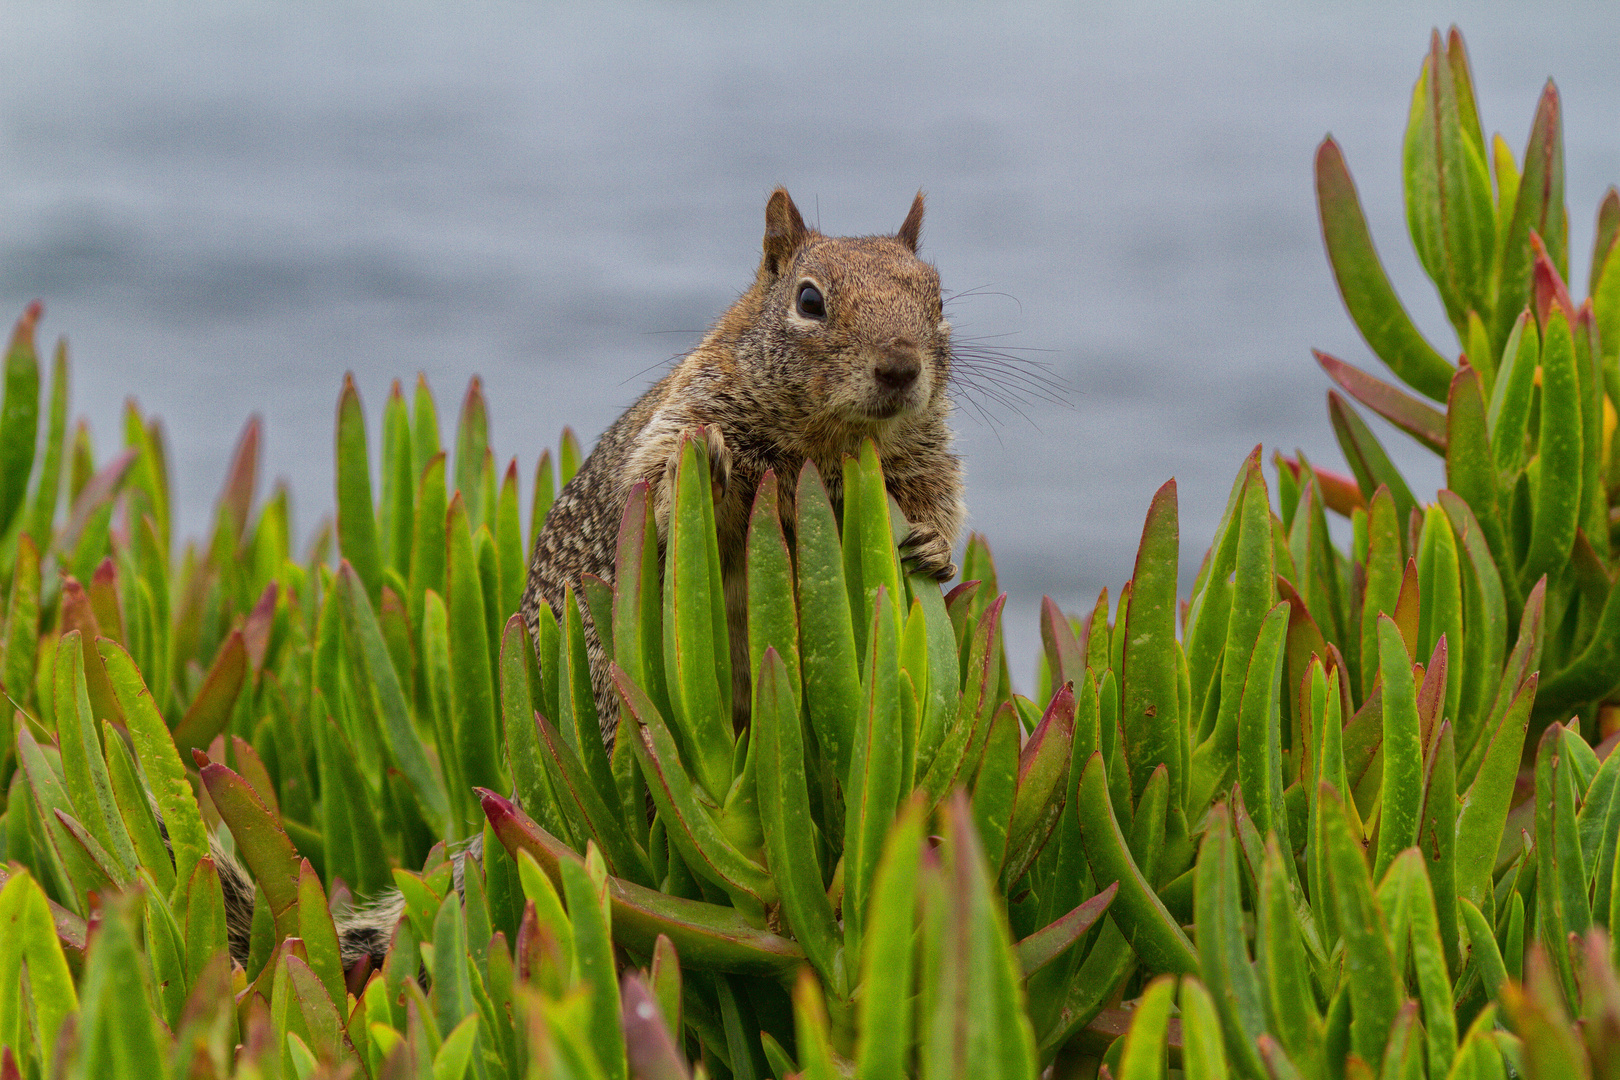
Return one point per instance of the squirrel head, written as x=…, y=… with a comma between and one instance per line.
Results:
x=856, y=322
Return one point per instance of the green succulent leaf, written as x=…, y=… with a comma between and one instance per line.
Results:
x=1558, y=500
x=1449, y=206
x=1141, y=916
x=1149, y=689
x=1402, y=789
x=709, y=937
x=786, y=816
x=1538, y=205
x=1363, y=284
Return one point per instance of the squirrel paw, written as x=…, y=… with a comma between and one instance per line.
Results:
x=719, y=458
x=925, y=551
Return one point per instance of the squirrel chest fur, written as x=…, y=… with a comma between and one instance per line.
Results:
x=839, y=339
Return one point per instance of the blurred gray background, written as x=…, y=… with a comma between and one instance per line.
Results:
x=226, y=206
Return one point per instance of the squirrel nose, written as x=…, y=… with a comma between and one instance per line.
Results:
x=899, y=366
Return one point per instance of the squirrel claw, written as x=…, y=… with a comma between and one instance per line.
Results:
x=924, y=551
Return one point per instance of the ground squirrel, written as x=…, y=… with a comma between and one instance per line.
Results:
x=838, y=339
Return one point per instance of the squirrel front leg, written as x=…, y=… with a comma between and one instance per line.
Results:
x=932, y=502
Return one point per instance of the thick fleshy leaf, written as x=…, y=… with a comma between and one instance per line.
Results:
x=1485, y=608
x=1422, y=421
x=784, y=802
x=210, y=710
x=48, y=489
x=709, y=937
x=1146, y=923
x=1484, y=808
x=19, y=416
x=684, y=808
x=371, y=660
x=810, y=1025
x=1143, y=1056
x=1538, y=205
x=942, y=680
x=22, y=623
x=206, y=934
x=773, y=621
x=545, y=493
x=1202, y=1056
x=996, y=785
x=1367, y=457
x=1562, y=904
x=472, y=443
x=1325, y=695
x=1440, y=587
x=831, y=670
x=568, y=779
x=1260, y=765
x=1051, y=941
x=963, y=744
x=975, y=964
x=1402, y=789
x=530, y=778
x=319, y=935
x=873, y=785
x=1449, y=206
x=1508, y=414
x=1043, y=768
x=427, y=550
x=1290, y=1004
x=1222, y=948
x=48, y=996
x=1558, y=500
x=697, y=651
x=868, y=500
x=638, y=625
x=1149, y=688
x=160, y=761
x=1204, y=635
x=83, y=765
x=593, y=959
x=1064, y=654
x=888, y=958
x=1437, y=837
x=263, y=844
x=1375, y=992
x=395, y=525
x=472, y=700
x=356, y=515
x=650, y=1050
x=1254, y=588
x=115, y=1024
x=1364, y=285
x=135, y=810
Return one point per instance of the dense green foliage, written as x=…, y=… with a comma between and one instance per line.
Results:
x=1339, y=813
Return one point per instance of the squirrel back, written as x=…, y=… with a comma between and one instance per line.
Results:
x=838, y=339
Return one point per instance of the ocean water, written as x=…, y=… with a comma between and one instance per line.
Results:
x=226, y=207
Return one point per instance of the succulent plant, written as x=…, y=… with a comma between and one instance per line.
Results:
x=1337, y=813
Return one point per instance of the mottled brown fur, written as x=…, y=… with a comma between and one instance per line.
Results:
x=772, y=388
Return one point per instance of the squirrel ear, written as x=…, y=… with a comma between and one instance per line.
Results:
x=910, y=233
x=784, y=232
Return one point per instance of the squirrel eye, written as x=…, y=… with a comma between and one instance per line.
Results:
x=811, y=305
